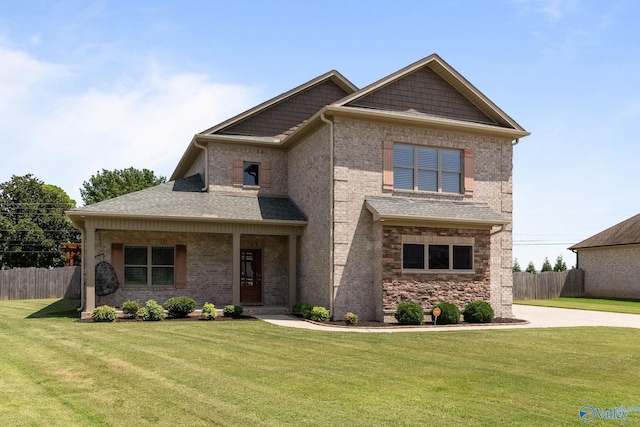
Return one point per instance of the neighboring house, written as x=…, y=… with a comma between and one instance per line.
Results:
x=352, y=199
x=611, y=261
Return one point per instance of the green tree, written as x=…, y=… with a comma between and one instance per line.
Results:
x=531, y=268
x=516, y=267
x=33, y=223
x=560, y=264
x=546, y=265
x=108, y=184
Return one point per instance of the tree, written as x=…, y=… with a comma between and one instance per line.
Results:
x=531, y=268
x=560, y=264
x=546, y=265
x=33, y=223
x=516, y=267
x=108, y=184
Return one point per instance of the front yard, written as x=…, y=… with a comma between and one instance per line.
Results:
x=595, y=304
x=59, y=372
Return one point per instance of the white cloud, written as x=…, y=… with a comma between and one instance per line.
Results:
x=144, y=121
x=554, y=10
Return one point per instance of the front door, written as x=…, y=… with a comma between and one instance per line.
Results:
x=250, y=276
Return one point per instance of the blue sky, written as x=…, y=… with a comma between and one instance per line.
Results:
x=112, y=84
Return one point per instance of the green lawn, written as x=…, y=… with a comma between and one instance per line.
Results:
x=596, y=304
x=59, y=372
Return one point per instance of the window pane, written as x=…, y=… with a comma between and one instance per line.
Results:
x=135, y=255
x=403, y=178
x=450, y=182
x=438, y=257
x=427, y=180
x=402, y=155
x=162, y=256
x=462, y=257
x=451, y=160
x=412, y=256
x=251, y=173
x=162, y=276
x=135, y=276
x=428, y=158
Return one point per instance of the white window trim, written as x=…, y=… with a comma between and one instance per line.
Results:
x=149, y=265
x=439, y=170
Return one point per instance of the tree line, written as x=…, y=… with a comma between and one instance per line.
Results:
x=560, y=265
x=33, y=222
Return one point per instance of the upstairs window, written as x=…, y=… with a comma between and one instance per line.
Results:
x=427, y=169
x=251, y=173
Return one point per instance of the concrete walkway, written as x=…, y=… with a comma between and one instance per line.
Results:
x=538, y=317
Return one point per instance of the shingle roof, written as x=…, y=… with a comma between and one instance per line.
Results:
x=432, y=210
x=184, y=199
x=625, y=233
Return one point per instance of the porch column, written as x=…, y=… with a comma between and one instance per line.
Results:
x=235, y=269
x=89, y=261
x=293, y=256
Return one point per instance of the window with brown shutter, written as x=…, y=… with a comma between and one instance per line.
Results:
x=468, y=172
x=387, y=165
x=238, y=173
x=117, y=261
x=181, y=266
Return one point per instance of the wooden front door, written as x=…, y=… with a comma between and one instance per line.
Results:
x=250, y=276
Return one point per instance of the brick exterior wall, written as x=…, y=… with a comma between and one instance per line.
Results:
x=358, y=173
x=430, y=288
x=208, y=266
x=612, y=272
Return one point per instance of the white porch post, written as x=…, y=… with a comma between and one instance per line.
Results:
x=235, y=269
x=89, y=260
x=292, y=269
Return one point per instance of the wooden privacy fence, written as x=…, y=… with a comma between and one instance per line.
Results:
x=36, y=283
x=550, y=284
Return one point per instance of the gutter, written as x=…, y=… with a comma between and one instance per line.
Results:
x=331, y=211
x=502, y=228
x=206, y=163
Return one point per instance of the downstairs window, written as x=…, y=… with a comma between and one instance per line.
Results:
x=437, y=257
x=149, y=266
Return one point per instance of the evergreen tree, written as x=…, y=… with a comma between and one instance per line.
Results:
x=546, y=265
x=531, y=268
x=560, y=264
x=516, y=267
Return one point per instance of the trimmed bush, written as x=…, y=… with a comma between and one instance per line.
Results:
x=478, y=312
x=152, y=311
x=130, y=309
x=351, y=318
x=320, y=314
x=409, y=313
x=232, y=311
x=449, y=313
x=209, y=311
x=302, y=309
x=179, y=306
x=104, y=313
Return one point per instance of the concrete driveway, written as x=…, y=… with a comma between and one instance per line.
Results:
x=538, y=317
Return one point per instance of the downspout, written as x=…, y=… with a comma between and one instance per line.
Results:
x=515, y=142
x=331, y=212
x=493, y=233
x=82, y=270
x=206, y=163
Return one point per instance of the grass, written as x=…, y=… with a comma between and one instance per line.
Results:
x=596, y=304
x=58, y=372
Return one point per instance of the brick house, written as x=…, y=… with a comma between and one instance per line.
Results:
x=353, y=199
x=611, y=261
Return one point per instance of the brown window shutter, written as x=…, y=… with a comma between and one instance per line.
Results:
x=265, y=174
x=387, y=165
x=117, y=261
x=181, y=266
x=238, y=173
x=468, y=172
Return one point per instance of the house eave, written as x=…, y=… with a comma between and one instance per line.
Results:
x=408, y=219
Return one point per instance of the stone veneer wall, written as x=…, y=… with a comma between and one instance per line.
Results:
x=611, y=272
x=208, y=266
x=428, y=289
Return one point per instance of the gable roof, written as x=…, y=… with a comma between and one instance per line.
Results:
x=429, y=86
x=184, y=199
x=625, y=233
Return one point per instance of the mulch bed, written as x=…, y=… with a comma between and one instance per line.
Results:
x=496, y=322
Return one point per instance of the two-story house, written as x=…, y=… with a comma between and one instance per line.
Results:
x=353, y=199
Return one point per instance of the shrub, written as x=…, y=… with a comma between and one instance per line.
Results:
x=232, y=311
x=130, y=309
x=179, y=306
x=209, y=311
x=449, y=313
x=302, y=309
x=104, y=313
x=320, y=314
x=478, y=312
x=351, y=318
x=409, y=313
x=152, y=311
